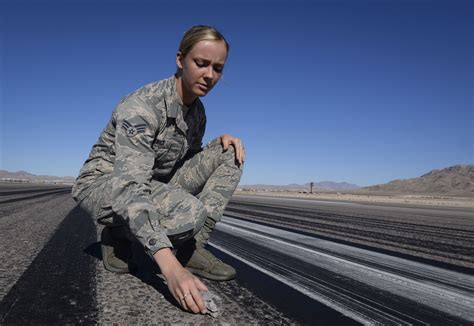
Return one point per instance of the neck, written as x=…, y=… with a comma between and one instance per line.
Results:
x=183, y=93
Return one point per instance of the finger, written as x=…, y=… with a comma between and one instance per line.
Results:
x=241, y=154
x=191, y=301
x=226, y=141
x=179, y=298
x=199, y=301
x=184, y=305
x=238, y=151
x=238, y=155
x=235, y=142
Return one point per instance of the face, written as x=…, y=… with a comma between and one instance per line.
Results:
x=201, y=68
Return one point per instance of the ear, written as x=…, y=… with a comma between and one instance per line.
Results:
x=179, y=60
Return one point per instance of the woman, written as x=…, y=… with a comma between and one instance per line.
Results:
x=148, y=177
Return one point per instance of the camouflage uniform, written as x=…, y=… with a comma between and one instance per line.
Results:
x=148, y=170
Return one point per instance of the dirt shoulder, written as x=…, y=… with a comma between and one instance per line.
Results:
x=395, y=199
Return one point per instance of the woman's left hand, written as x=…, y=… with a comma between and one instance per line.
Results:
x=227, y=140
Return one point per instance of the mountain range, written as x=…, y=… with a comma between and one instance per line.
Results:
x=23, y=176
x=455, y=180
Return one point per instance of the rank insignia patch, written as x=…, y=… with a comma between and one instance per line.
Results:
x=132, y=130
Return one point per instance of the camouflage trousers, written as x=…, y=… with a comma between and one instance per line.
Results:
x=189, y=204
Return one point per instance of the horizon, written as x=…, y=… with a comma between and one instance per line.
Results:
x=275, y=185
x=365, y=92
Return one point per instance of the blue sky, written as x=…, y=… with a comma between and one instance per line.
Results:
x=357, y=91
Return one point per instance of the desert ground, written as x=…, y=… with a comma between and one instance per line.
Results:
x=397, y=199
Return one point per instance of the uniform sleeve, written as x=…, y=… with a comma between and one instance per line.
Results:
x=136, y=126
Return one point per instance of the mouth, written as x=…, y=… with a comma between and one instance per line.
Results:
x=204, y=87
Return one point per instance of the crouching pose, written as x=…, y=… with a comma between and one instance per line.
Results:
x=148, y=178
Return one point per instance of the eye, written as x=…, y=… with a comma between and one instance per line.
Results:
x=199, y=63
x=218, y=69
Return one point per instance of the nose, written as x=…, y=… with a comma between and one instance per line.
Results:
x=209, y=73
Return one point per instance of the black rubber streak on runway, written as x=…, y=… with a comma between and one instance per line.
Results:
x=382, y=300
x=61, y=192
x=26, y=191
x=284, y=225
x=59, y=285
x=287, y=300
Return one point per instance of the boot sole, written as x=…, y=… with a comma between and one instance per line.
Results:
x=210, y=276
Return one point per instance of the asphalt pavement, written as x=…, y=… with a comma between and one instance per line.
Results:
x=299, y=262
x=435, y=235
x=52, y=273
x=366, y=286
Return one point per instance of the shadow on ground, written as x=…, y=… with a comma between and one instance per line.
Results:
x=143, y=269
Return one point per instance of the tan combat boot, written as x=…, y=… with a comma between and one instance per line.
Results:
x=205, y=264
x=201, y=262
x=116, y=252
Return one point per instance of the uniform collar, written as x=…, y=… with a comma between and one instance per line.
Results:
x=174, y=105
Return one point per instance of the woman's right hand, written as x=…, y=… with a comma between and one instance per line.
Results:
x=183, y=285
x=186, y=289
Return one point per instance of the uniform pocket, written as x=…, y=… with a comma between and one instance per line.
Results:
x=167, y=150
x=161, y=147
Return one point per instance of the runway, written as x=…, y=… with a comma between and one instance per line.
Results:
x=299, y=262
x=436, y=235
x=369, y=287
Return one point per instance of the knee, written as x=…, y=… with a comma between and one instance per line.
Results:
x=228, y=157
x=229, y=154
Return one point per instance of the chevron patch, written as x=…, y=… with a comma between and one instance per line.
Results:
x=132, y=130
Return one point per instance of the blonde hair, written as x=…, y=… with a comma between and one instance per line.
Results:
x=200, y=33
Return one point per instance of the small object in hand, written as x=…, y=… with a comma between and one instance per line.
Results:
x=211, y=301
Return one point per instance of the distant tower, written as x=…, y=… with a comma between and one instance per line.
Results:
x=311, y=185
